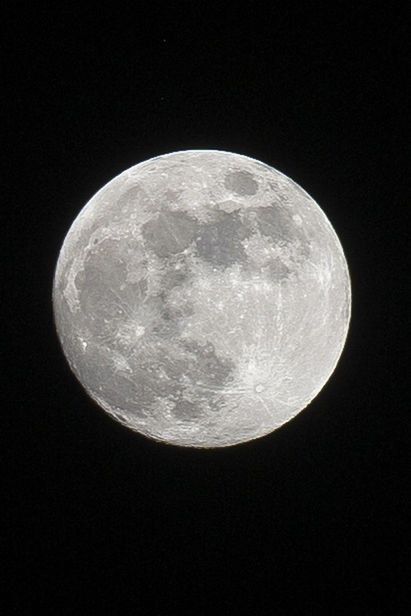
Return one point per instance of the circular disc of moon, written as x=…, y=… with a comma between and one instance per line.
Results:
x=202, y=298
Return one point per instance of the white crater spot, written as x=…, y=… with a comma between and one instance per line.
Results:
x=202, y=298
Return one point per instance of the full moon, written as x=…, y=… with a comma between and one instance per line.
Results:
x=202, y=298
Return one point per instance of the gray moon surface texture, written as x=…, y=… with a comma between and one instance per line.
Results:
x=202, y=298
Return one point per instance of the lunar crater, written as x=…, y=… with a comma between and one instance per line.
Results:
x=240, y=182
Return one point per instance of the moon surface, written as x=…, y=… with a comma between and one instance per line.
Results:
x=202, y=298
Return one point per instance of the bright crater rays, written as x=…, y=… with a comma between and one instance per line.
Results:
x=202, y=298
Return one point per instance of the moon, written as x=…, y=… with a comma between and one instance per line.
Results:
x=202, y=298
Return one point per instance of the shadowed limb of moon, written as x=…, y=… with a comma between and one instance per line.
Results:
x=202, y=298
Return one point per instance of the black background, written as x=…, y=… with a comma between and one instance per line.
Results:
x=310, y=519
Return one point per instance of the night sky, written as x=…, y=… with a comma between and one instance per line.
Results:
x=311, y=519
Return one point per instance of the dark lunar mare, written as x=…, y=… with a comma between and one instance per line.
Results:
x=219, y=242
